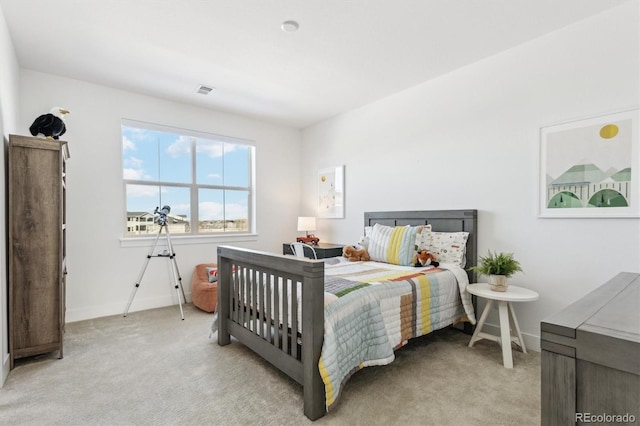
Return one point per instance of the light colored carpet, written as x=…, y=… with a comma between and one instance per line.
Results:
x=151, y=368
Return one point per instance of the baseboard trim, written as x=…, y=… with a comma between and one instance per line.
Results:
x=139, y=304
x=531, y=341
x=6, y=368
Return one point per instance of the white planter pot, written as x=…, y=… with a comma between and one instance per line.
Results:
x=498, y=282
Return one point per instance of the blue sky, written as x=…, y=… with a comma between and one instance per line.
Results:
x=155, y=156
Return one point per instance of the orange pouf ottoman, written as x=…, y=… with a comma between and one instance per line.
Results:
x=204, y=293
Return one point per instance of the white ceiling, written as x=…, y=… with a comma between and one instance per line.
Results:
x=347, y=53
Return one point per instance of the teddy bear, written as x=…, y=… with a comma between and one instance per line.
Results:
x=354, y=255
x=425, y=258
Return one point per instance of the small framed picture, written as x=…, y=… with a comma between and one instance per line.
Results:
x=331, y=192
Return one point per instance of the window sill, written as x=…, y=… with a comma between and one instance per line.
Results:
x=183, y=240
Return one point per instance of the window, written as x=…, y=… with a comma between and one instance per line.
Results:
x=206, y=180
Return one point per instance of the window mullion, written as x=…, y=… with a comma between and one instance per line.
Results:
x=224, y=190
x=195, y=219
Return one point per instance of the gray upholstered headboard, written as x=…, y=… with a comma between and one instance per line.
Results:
x=440, y=220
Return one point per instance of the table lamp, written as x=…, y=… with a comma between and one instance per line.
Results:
x=307, y=224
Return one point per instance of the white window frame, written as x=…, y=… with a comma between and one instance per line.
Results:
x=194, y=236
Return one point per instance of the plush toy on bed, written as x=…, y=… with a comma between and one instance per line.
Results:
x=425, y=258
x=354, y=255
x=363, y=243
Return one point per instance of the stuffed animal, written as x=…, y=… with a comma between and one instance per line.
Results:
x=354, y=255
x=425, y=258
x=363, y=243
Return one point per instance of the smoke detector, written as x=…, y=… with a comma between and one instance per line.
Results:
x=289, y=26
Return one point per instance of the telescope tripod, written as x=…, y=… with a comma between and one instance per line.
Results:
x=169, y=254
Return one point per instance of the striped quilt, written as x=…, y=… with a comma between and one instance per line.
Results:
x=378, y=307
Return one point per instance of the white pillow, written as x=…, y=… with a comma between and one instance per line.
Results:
x=449, y=247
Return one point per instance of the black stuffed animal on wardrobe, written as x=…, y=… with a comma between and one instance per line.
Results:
x=50, y=125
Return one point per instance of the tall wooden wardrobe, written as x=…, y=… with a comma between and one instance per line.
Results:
x=37, y=245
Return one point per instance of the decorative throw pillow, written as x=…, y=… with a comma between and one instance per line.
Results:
x=449, y=247
x=394, y=245
x=212, y=273
x=423, y=238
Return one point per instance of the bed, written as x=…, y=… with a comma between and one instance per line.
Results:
x=320, y=321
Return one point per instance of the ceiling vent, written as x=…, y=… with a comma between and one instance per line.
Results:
x=204, y=90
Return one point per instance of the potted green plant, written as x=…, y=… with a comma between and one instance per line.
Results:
x=498, y=267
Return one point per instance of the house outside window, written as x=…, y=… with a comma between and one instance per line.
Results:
x=207, y=181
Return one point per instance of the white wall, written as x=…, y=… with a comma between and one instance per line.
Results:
x=470, y=139
x=9, y=73
x=101, y=272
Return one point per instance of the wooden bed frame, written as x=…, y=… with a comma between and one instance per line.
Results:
x=245, y=309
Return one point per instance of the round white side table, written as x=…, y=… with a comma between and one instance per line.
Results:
x=506, y=313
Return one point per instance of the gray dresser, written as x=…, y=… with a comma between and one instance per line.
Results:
x=590, y=357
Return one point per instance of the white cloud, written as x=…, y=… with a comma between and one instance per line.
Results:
x=134, y=169
x=133, y=162
x=133, y=174
x=236, y=211
x=142, y=191
x=209, y=210
x=214, y=149
x=128, y=144
x=181, y=209
x=182, y=146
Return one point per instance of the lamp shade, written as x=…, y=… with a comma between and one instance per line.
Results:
x=306, y=223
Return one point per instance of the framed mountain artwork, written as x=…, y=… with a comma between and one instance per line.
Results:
x=591, y=167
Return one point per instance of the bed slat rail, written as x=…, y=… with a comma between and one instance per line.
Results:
x=258, y=304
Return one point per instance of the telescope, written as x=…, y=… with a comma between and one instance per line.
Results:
x=162, y=214
x=161, y=219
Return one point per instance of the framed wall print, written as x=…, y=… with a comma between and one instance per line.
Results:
x=591, y=167
x=331, y=192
